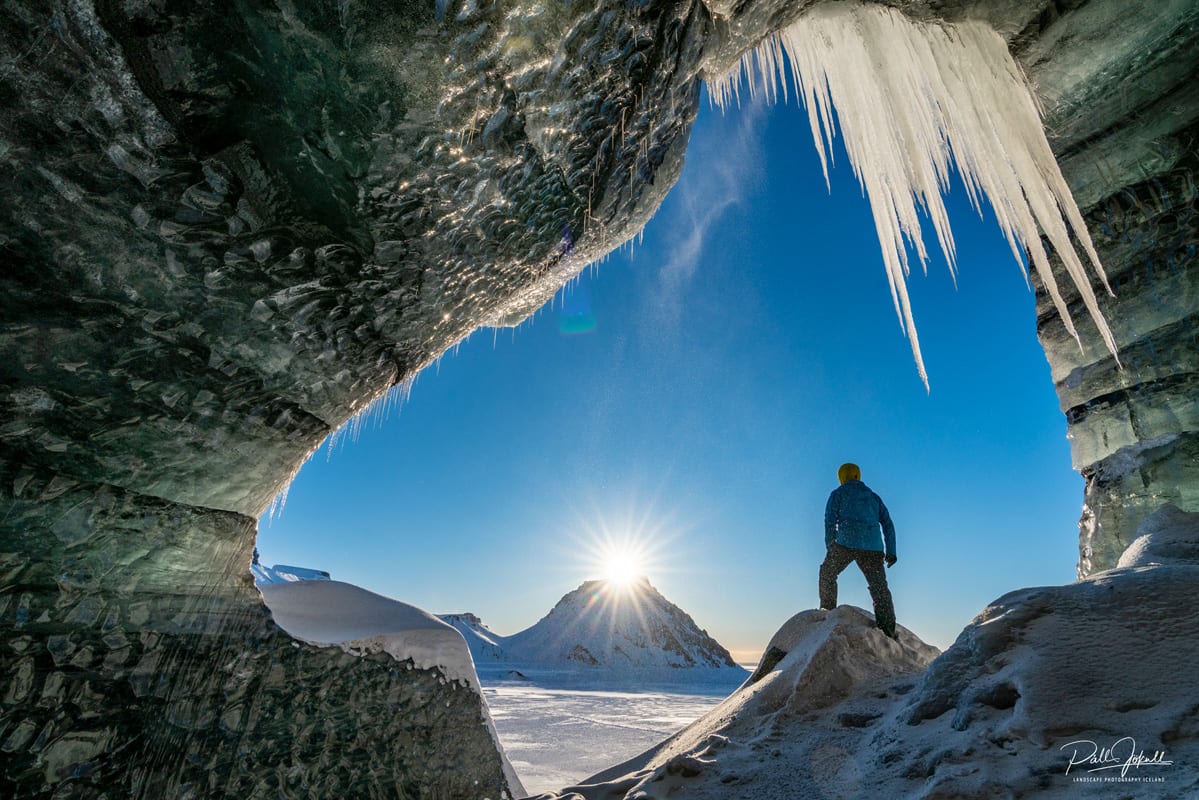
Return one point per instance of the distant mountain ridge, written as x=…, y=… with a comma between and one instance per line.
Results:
x=484, y=644
x=600, y=625
x=284, y=573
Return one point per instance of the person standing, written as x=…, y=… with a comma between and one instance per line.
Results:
x=852, y=519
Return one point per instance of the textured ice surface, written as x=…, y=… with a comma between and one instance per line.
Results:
x=1167, y=536
x=915, y=100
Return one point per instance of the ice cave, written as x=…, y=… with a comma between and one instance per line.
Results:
x=229, y=228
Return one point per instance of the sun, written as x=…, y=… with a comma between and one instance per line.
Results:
x=624, y=548
x=622, y=568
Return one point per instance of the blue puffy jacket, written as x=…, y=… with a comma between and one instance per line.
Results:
x=853, y=516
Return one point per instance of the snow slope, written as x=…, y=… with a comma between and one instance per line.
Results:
x=1063, y=691
x=485, y=645
x=755, y=743
x=603, y=627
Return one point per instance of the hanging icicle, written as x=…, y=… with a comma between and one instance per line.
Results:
x=912, y=100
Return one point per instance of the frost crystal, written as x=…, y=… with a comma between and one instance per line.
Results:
x=912, y=99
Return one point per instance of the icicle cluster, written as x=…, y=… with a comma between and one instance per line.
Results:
x=912, y=99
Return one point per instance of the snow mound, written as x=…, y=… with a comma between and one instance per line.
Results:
x=1167, y=536
x=326, y=612
x=746, y=745
x=820, y=656
x=335, y=613
x=1045, y=675
x=1047, y=693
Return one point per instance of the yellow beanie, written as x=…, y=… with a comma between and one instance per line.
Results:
x=849, y=472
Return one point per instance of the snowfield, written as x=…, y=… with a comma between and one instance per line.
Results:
x=557, y=737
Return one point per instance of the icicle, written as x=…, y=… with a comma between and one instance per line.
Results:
x=913, y=100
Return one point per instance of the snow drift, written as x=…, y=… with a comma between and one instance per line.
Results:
x=915, y=100
x=834, y=673
x=1167, y=536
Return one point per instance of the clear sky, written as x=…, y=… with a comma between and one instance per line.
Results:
x=696, y=394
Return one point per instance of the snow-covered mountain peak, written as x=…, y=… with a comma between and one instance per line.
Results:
x=610, y=624
x=604, y=624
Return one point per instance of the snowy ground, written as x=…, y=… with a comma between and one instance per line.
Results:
x=557, y=737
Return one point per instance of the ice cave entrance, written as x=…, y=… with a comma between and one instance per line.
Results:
x=950, y=100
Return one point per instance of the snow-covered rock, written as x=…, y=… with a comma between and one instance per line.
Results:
x=1167, y=536
x=360, y=621
x=824, y=655
x=1049, y=692
x=619, y=629
x=336, y=613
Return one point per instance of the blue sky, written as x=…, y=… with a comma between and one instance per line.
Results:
x=696, y=394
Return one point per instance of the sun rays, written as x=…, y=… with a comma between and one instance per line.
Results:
x=622, y=566
x=625, y=553
x=618, y=554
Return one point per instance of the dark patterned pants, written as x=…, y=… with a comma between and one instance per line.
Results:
x=871, y=563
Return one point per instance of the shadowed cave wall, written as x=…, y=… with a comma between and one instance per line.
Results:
x=225, y=231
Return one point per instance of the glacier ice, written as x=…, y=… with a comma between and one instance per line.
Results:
x=913, y=99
